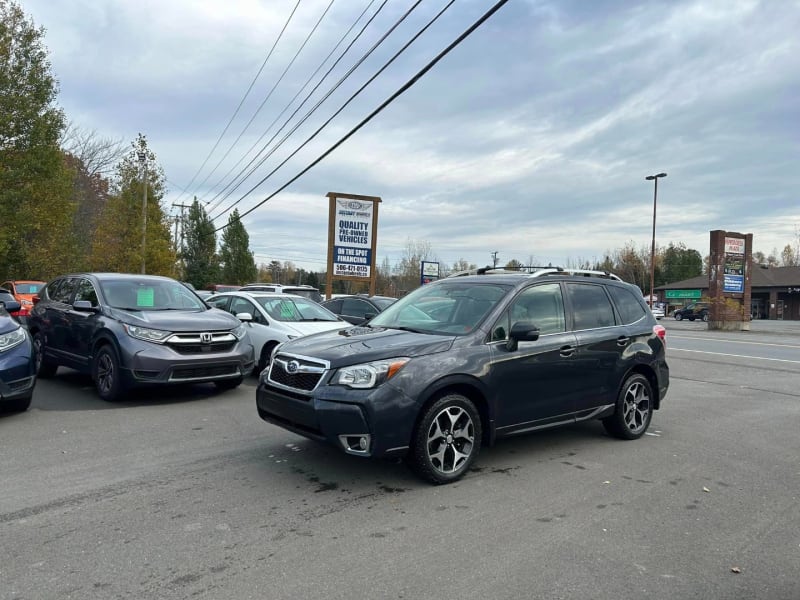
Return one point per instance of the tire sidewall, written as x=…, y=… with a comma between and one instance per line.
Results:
x=625, y=431
x=418, y=453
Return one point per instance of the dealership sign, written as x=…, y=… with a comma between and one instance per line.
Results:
x=352, y=250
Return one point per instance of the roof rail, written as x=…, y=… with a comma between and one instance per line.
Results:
x=583, y=272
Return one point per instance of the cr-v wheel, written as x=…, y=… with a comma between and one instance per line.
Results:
x=447, y=439
x=634, y=409
x=107, y=374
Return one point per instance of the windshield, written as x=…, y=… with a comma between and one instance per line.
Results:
x=294, y=309
x=452, y=308
x=29, y=288
x=150, y=294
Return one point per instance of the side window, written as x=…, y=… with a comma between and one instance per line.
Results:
x=221, y=302
x=65, y=290
x=591, y=308
x=543, y=305
x=629, y=307
x=241, y=305
x=52, y=288
x=86, y=291
x=354, y=307
x=335, y=306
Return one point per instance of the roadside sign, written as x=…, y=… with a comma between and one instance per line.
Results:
x=683, y=294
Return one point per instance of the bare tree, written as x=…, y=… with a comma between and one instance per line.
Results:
x=98, y=154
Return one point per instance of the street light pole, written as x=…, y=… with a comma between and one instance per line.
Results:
x=143, y=164
x=654, y=179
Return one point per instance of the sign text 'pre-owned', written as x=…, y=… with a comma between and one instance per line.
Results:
x=352, y=252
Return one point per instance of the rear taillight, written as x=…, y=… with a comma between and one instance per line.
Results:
x=660, y=332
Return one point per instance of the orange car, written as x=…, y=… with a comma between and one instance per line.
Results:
x=23, y=291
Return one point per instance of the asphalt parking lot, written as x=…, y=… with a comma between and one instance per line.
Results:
x=185, y=493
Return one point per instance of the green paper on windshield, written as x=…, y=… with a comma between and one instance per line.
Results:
x=287, y=310
x=145, y=297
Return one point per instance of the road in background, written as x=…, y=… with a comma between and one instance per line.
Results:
x=187, y=494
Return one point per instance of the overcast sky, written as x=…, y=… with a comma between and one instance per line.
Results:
x=532, y=138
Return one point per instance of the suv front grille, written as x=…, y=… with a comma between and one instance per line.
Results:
x=296, y=373
x=201, y=342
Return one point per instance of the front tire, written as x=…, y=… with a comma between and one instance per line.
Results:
x=44, y=368
x=263, y=359
x=705, y=317
x=678, y=317
x=107, y=375
x=634, y=409
x=447, y=440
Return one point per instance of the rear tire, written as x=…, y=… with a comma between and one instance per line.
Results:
x=705, y=317
x=44, y=368
x=447, y=440
x=634, y=409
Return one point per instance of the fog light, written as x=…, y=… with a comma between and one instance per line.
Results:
x=357, y=443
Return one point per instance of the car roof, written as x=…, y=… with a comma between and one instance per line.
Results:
x=102, y=276
x=259, y=294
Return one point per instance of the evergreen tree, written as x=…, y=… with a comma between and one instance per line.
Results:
x=201, y=263
x=118, y=242
x=35, y=183
x=679, y=263
x=238, y=264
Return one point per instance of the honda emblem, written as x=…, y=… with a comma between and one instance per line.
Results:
x=206, y=337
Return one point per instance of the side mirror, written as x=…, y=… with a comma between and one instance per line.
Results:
x=244, y=317
x=521, y=331
x=85, y=306
x=368, y=316
x=11, y=305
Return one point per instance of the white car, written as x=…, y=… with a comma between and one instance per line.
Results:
x=657, y=312
x=272, y=318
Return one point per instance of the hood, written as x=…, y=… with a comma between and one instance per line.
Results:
x=363, y=344
x=178, y=320
x=7, y=324
x=309, y=327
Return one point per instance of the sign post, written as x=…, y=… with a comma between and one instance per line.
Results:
x=352, y=240
x=729, y=280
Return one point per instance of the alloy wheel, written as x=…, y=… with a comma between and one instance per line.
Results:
x=636, y=407
x=451, y=439
x=105, y=373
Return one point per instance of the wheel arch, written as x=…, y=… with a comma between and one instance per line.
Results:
x=468, y=387
x=650, y=374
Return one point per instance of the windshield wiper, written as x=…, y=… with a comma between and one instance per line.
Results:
x=411, y=329
x=318, y=319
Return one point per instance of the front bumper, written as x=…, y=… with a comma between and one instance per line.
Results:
x=17, y=372
x=143, y=363
x=382, y=417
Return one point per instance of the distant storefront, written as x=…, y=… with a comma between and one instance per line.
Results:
x=775, y=293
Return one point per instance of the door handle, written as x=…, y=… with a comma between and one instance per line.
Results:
x=566, y=351
x=623, y=340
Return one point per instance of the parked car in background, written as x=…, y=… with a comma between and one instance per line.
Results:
x=306, y=291
x=24, y=291
x=358, y=308
x=695, y=310
x=272, y=318
x=136, y=330
x=658, y=312
x=12, y=305
x=503, y=354
x=17, y=362
x=216, y=288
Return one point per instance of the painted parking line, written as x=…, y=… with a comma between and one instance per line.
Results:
x=784, y=360
x=712, y=339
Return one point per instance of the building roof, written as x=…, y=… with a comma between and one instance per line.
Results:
x=761, y=277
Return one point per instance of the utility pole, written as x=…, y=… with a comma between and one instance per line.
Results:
x=494, y=259
x=143, y=164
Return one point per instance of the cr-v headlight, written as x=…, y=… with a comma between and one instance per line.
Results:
x=239, y=332
x=369, y=375
x=148, y=335
x=11, y=339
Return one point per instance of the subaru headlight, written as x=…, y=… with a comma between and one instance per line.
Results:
x=11, y=339
x=369, y=375
x=148, y=335
x=239, y=332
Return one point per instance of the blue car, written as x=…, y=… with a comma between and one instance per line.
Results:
x=17, y=364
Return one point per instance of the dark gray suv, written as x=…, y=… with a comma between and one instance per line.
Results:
x=136, y=330
x=466, y=360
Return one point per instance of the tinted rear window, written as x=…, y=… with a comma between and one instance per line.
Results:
x=628, y=305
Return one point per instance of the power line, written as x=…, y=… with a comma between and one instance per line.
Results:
x=269, y=95
x=410, y=83
x=341, y=108
x=241, y=102
x=308, y=96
